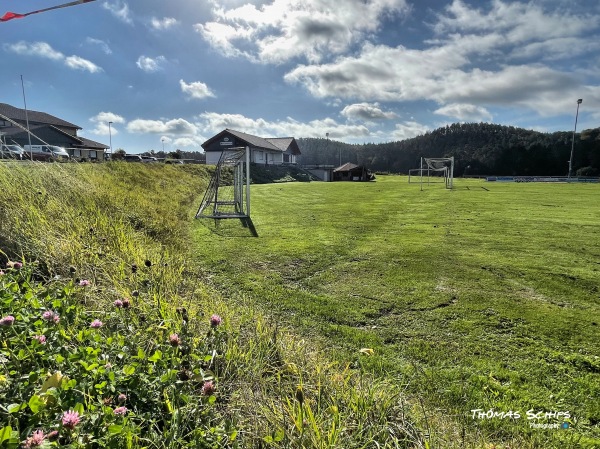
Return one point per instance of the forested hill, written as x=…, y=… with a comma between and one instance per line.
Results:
x=478, y=149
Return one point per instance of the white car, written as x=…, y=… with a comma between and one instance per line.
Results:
x=46, y=152
x=11, y=152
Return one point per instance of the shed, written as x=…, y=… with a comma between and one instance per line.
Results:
x=352, y=172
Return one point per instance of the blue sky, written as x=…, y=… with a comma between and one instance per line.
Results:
x=176, y=72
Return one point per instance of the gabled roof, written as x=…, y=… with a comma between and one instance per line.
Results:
x=348, y=166
x=91, y=144
x=281, y=144
x=34, y=116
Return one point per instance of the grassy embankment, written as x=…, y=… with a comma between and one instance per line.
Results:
x=486, y=297
x=146, y=374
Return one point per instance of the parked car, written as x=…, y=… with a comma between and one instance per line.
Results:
x=133, y=158
x=46, y=153
x=149, y=159
x=11, y=152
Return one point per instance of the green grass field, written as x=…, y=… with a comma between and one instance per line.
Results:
x=485, y=297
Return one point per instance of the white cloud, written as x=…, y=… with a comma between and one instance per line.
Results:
x=177, y=126
x=367, y=111
x=197, y=89
x=163, y=24
x=465, y=112
x=101, y=123
x=408, y=130
x=281, y=30
x=44, y=50
x=120, y=10
x=212, y=122
x=41, y=49
x=148, y=64
x=76, y=62
x=99, y=42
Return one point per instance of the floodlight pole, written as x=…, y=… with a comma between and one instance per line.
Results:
x=110, y=138
x=248, y=181
x=573, y=140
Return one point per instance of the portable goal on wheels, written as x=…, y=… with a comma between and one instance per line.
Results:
x=228, y=193
x=434, y=168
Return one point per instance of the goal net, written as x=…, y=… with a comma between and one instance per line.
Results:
x=228, y=193
x=439, y=169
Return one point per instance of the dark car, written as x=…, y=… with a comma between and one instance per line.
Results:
x=133, y=158
x=11, y=152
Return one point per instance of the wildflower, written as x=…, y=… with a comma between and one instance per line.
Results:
x=50, y=315
x=15, y=265
x=1, y=272
x=122, y=397
x=208, y=388
x=118, y=303
x=135, y=293
x=174, y=340
x=121, y=411
x=126, y=303
x=40, y=338
x=70, y=419
x=52, y=435
x=215, y=320
x=96, y=324
x=56, y=318
x=36, y=439
x=148, y=263
x=8, y=320
x=134, y=268
x=84, y=283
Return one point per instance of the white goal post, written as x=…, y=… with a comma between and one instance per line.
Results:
x=434, y=168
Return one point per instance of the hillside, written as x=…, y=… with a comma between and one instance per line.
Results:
x=478, y=148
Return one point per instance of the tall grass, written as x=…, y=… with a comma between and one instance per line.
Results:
x=127, y=228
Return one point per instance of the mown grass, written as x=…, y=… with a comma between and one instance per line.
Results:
x=484, y=297
x=128, y=230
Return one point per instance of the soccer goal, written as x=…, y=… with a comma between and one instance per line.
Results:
x=440, y=169
x=228, y=193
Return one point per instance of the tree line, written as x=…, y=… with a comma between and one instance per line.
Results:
x=478, y=149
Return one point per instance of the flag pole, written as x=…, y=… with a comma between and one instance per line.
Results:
x=26, y=118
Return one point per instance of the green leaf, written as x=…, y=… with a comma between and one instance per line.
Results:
x=279, y=435
x=156, y=356
x=36, y=404
x=14, y=408
x=115, y=429
x=59, y=358
x=5, y=433
x=79, y=408
x=128, y=370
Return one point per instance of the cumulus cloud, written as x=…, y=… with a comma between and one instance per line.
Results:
x=148, y=64
x=177, y=126
x=120, y=10
x=197, y=89
x=281, y=30
x=101, y=126
x=212, y=123
x=407, y=130
x=44, y=50
x=163, y=24
x=465, y=112
x=366, y=111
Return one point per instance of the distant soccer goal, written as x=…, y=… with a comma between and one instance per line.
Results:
x=228, y=193
x=433, y=170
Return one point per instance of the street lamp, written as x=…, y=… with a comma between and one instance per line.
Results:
x=163, y=142
x=573, y=139
x=110, y=138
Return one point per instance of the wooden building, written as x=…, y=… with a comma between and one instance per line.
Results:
x=352, y=172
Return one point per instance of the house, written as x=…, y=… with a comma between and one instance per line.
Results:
x=267, y=151
x=352, y=172
x=47, y=128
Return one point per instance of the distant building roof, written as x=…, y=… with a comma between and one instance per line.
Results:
x=280, y=144
x=33, y=116
x=348, y=166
